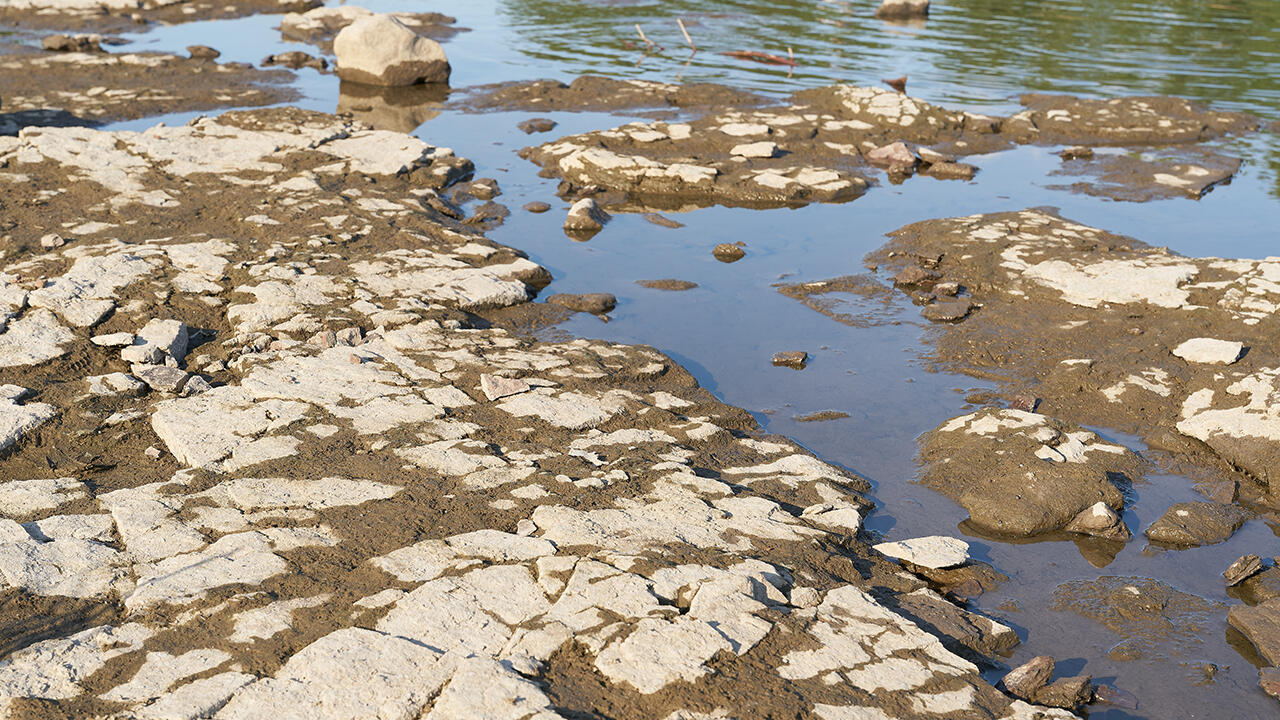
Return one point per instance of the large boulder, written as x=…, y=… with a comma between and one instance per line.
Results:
x=381, y=50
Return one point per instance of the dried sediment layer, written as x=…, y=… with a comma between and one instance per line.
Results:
x=93, y=88
x=823, y=146
x=1110, y=331
x=1020, y=473
x=1138, y=176
x=118, y=16
x=383, y=506
x=320, y=25
x=596, y=93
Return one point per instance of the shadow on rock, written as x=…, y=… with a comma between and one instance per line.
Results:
x=12, y=122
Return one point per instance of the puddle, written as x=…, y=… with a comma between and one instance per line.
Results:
x=978, y=55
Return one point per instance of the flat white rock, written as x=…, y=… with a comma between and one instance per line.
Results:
x=1210, y=351
x=935, y=551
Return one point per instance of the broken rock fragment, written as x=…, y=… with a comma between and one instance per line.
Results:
x=595, y=303
x=935, y=552
x=586, y=215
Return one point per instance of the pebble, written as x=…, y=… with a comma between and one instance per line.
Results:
x=161, y=378
x=668, y=284
x=1111, y=695
x=1067, y=693
x=1027, y=679
x=586, y=215
x=728, y=252
x=795, y=359
x=537, y=125
x=52, y=241
x=495, y=387
x=596, y=303
x=1245, y=567
x=892, y=155
x=948, y=310
x=537, y=206
x=202, y=52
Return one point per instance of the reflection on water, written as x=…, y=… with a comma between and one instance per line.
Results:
x=401, y=109
x=981, y=53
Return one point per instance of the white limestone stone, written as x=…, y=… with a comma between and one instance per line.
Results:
x=351, y=674
x=161, y=670
x=24, y=497
x=1209, y=351
x=935, y=551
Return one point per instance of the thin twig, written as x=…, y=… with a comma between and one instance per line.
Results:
x=646, y=40
x=686, y=34
x=792, y=67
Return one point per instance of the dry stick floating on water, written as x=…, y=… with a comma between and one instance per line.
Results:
x=648, y=43
x=761, y=57
x=686, y=34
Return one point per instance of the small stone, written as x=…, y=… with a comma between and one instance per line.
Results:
x=161, y=378
x=1209, y=351
x=195, y=385
x=537, y=125
x=1245, y=567
x=596, y=303
x=1024, y=681
x=537, y=206
x=202, y=52
x=946, y=289
x=121, y=339
x=1067, y=693
x=1269, y=681
x=951, y=171
x=728, y=252
x=805, y=597
x=1112, y=695
x=795, y=359
x=295, y=59
x=936, y=551
x=586, y=215
x=763, y=149
x=51, y=241
x=355, y=359
x=892, y=155
x=72, y=43
x=915, y=276
x=902, y=9
x=1099, y=521
x=668, y=284
x=495, y=387
x=1076, y=152
x=381, y=50
x=1192, y=524
x=324, y=339
x=526, y=527
x=349, y=337
x=1025, y=403
x=152, y=452
x=948, y=310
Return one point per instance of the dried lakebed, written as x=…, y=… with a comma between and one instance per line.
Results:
x=279, y=462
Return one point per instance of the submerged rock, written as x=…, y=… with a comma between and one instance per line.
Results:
x=1151, y=619
x=1192, y=524
x=1260, y=625
x=597, y=303
x=381, y=50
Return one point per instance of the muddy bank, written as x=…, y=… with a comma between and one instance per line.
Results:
x=118, y=16
x=830, y=144
x=263, y=436
x=91, y=88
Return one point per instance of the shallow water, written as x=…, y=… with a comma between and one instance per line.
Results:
x=979, y=55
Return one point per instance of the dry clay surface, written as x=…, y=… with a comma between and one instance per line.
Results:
x=89, y=88
x=826, y=144
x=133, y=15
x=264, y=456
